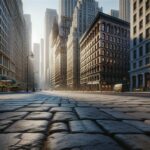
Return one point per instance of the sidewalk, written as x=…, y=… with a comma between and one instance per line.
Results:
x=141, y=94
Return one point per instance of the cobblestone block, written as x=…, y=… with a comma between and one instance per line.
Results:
x=118, y=114
x=91, y=113
x=68, y=105
x=61, y=109
x=83, y=105
x=86, y=126
x=135, y=141
x=9, y=108
x=20, y=141
x=58, y=127
x=140, y=115
x=140, y=125
x=50, y=105
x=39, y=116
x=12, y=115
x=32, y=109
x=4, y=124
x=29, y=126
x=117, y=127
x=60, y=141
x=64, y=116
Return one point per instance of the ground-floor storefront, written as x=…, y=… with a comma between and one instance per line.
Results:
x=140, y=81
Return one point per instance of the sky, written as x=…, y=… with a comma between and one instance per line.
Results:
x=36, y=8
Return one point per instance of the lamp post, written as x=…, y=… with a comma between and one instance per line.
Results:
x=27, y=88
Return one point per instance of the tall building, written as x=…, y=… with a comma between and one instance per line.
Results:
x=52, y=39
x=114, y=13
x=124, y=10
x=50, y=14
x=84, y=13
x=104, y=53
x=13, y=50
x=28, y=45
x=36, y=51
x=58, y=47
x=140, y=45
x=66, y=7
x=28, y=25
x=42, y=64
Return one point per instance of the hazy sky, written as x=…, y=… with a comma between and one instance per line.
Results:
x=37, y=9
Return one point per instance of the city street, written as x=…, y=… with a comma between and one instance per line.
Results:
x=74, y=121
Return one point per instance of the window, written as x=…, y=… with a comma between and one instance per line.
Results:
x=107, y=37
x=114, y=39
x=111, y=38
x=134, y=41
x=106, y=45
x=115, y=30
x=118, y=31
x=103, y=27
x=134, y=18
x=141, y=37
x=125, y=33
x=134, y=54
x=112, y=29
x=141, y=51
x=141, y=24
x=141, y=12
x=140, y=1
x=103, y=44
x=147, y=60
x=134, y=5
x=134, y=30
x=148, y=33
x=108, y=28
x=147, y=4
x=140, y=63
x=103, y=36
x=1, y=71
x=148, y=19
x=134, y=65
x=148, y=48
x=0, y=59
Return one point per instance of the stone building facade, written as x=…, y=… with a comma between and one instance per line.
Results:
x=140, y=45
x=104, y=53
x=13, y=52
x=84, y=13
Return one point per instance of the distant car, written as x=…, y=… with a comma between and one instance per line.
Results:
x=118, y=87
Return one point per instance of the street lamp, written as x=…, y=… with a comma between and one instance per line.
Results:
x=31, y=55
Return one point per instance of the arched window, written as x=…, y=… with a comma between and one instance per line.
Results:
x=103, y=27
x=115, y=30
x=108, y=28
x=103, y=44
x=122, y=32
x=112, y=29
x=118, y=31
x=103, y=36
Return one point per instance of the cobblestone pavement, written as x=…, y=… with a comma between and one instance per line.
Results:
x=74, y=121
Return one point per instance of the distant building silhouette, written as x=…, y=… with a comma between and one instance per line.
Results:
x=114, y=13
x=124, y=10
x=50, y=14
